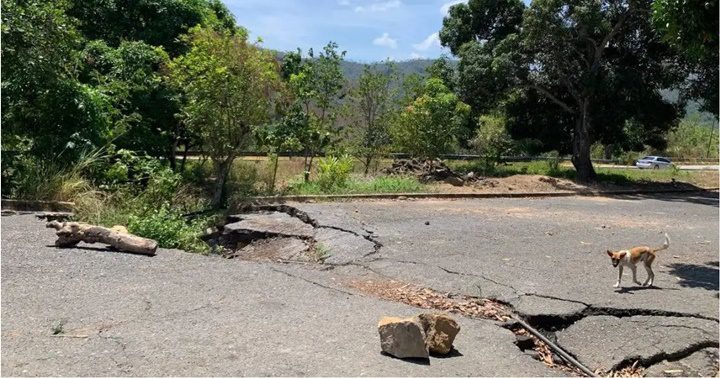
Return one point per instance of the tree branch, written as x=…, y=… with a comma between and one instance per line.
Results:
x=554, y=99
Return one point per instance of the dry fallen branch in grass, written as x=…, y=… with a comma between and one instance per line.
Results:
x=71, y=233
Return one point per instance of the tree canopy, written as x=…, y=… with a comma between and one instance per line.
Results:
x=579, y=70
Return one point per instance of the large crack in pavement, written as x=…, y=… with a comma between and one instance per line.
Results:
x=569, y=328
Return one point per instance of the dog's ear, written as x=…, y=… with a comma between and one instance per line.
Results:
x=622, y=254
x=609, y=252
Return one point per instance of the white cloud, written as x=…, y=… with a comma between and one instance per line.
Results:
x=379, y=7
x=431, y=41
x=415, y=55
x=446, y=7
x=385, y=41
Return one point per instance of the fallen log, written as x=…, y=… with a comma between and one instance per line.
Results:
x=71, y=233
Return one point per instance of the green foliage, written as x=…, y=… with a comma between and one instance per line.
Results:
x=443, y=69
x=230, y=86
x=156, y=22
x=382, y=184
x=334, y=172
x=372, y=100
x=315, y=84
x=41, y=98
x=566, y=72
x=492, y=140
x=169, y=229
x=428, y=125
x=553, y=163
x=691, y=28
x=693, y=139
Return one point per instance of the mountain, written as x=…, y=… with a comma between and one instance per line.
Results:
x=353, y=70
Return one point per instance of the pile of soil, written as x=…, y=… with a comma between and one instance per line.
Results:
x=517, y=183
x=425, y=170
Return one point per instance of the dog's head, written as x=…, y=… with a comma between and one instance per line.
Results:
x=615, y=257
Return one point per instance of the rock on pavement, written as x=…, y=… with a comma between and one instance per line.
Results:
x=440, y=331
x=402, y=337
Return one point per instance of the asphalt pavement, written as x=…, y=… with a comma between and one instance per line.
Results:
x=184, y=314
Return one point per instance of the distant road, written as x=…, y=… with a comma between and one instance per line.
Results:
x=683, y=167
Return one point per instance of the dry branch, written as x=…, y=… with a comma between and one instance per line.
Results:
x=71, y=233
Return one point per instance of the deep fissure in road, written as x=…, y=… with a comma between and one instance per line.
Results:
x=302, y=244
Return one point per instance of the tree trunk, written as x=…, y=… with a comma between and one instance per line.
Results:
x=71, y=233
x=368, y=161
x=581, y=148
x=222, y=169
x=306, y=171
x=275, y=158
x=184, y=157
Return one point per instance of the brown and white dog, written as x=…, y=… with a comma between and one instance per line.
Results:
x=630, y=258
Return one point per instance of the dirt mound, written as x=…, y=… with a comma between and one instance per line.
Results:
x=528, y=183
x=516, y=183
x=425, y=171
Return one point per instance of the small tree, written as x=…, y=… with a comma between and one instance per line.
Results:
x=492, y=140
x=282, y=136
x=230, y=86
x=428, y=125
x=373, y=100
x=316, y=84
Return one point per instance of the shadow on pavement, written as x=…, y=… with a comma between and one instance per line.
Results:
x=701, y=276
x=631, y=289
x=453, y=353
x=417, y=361
x=701, y=198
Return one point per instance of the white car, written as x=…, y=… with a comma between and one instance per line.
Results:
x=653, y=162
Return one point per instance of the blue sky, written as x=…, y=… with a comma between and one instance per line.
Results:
x=369, y=30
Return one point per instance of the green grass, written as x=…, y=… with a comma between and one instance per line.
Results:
x=382, y=184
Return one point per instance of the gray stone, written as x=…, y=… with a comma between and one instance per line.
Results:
x=440, y=331
x=402, y=337
x=455, y=181
x=273, y=223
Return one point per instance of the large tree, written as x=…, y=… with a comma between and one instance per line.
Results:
x=155, y=22
x=691, y=27
x=589, y=70
x=230, y=86
x=42, y=101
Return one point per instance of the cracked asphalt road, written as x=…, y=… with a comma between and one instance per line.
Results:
x=183, y=314
x=546, y=258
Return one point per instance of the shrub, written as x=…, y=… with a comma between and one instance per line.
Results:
x=169, y=229
x=553, y=163
x=334, y=172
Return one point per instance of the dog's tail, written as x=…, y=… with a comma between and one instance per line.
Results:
x=665, y=245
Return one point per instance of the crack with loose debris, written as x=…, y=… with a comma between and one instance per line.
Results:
x=547, y=323
x=659, y=357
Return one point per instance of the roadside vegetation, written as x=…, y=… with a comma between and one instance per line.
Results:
x=102, y=103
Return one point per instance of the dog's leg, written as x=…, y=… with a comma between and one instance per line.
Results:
x=620, y=269
x=634, y=271
x=651, y=275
